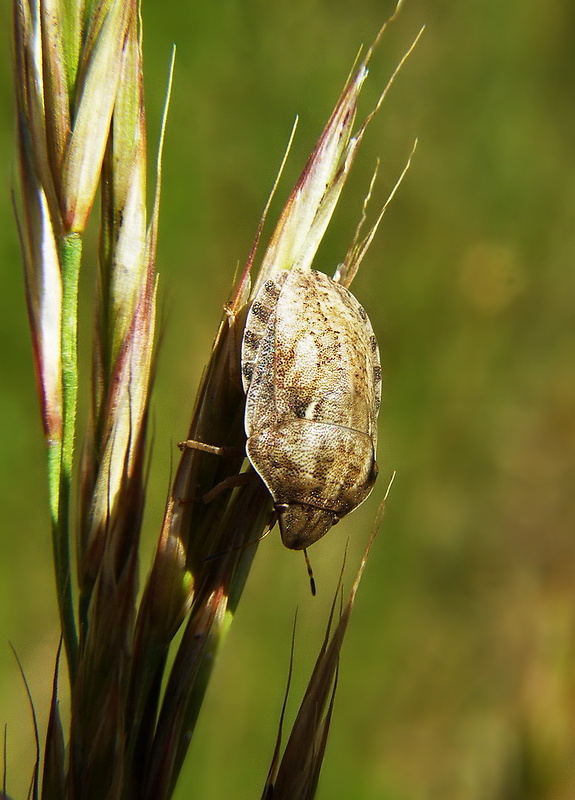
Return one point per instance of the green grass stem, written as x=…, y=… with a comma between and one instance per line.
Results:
x=70, y=259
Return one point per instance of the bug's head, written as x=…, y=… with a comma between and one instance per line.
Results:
x=302, y=524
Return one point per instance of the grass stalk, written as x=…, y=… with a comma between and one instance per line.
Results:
x=135, y=697
x=70, y=257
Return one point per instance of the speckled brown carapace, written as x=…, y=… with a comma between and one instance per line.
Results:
x=312, y=376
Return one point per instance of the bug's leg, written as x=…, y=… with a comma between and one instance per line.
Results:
x=215, y=450
x=227, y=483
x=231, y=482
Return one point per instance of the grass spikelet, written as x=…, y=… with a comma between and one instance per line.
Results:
x=135, y=696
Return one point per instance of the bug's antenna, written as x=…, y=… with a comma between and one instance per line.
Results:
x=309, y=572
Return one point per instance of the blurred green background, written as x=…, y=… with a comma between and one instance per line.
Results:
x=457, y=677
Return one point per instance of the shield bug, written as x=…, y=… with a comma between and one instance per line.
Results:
x=312, y=377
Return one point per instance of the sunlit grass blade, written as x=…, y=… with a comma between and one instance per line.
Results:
x=296, y=775
x=54, y=767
